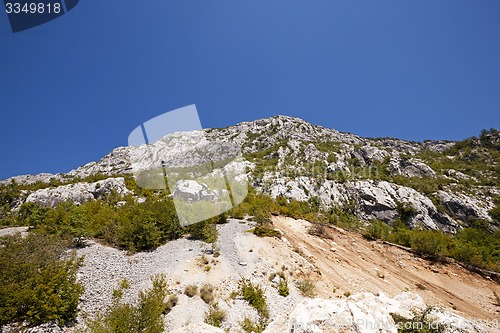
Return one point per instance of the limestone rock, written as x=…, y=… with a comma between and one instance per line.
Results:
x=465, y=207
x=410, y=168
x=191, y=190
x=79, y=192
x=367, y=313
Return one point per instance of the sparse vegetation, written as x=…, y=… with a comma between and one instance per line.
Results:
x=319, y=230
x=254, y=295
x=215, y=316
x=207, y=293
x=264, y=230
x=306, y=287
x=497, y=298
x=191, y=290
x=473, y=245
x=145, y=316
x=249, y=326
x=283, y=287
x=171, y=302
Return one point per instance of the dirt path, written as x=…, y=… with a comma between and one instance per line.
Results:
x=350, y=263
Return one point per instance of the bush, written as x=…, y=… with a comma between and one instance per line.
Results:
x=497, y=298
x=377, y=230
x=495, y=214
x=254, y=295
x=145, y=316
x=38, y=280
x=205, y=231
x=283, y=288
x=265, y=230
x=171, y=302
x=249, y=326
x=191, y=290
x=207, y=293
x=215, y=316
x=429, y=242
x=405, y=210
x=306, y=287
x=319, y=230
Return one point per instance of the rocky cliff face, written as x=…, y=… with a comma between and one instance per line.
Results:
x=445, y=184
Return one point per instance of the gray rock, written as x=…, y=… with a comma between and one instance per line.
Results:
x=78, y=193
x=410, y=168
x=191, y=190
x=466, y=207
x=366, y=312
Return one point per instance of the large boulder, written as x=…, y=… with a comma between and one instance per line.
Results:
x=410, y=168
x=466, y=207
x=191, y=190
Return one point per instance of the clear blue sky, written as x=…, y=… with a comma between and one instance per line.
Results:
x=73, y=89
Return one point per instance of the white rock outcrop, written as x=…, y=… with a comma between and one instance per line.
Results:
x=78, y=193
x=191, y=190
x=368, y=313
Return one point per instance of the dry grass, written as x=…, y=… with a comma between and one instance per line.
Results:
x=306, y=287
x=191, y=290
x=207, y=293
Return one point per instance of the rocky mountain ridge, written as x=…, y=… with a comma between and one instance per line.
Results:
x=288, y=157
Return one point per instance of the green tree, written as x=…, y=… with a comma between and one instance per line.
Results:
x=37, y=280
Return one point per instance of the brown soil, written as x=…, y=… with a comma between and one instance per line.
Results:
x=346, y=262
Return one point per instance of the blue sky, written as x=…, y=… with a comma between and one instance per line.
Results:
x=73, y=89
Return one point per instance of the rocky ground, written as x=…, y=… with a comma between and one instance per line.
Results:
x=358, y=282
x=380, y=279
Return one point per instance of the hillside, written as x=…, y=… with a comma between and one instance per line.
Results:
x=448, y=184
x=371, y=223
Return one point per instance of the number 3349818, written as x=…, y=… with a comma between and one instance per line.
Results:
x=33, y=8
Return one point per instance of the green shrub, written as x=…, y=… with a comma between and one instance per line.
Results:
x=144, y=316
x=8, y=196
x=132, y=226
x=405, y=210
x=283, y=288
x=249, y=326
x=495, y=213
x=215, y=316
x=377, y=230
x=306, y=287
x=265, y=230
x=37, y=280
x=429, y=242
x=205, y=231
x=254, y=295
